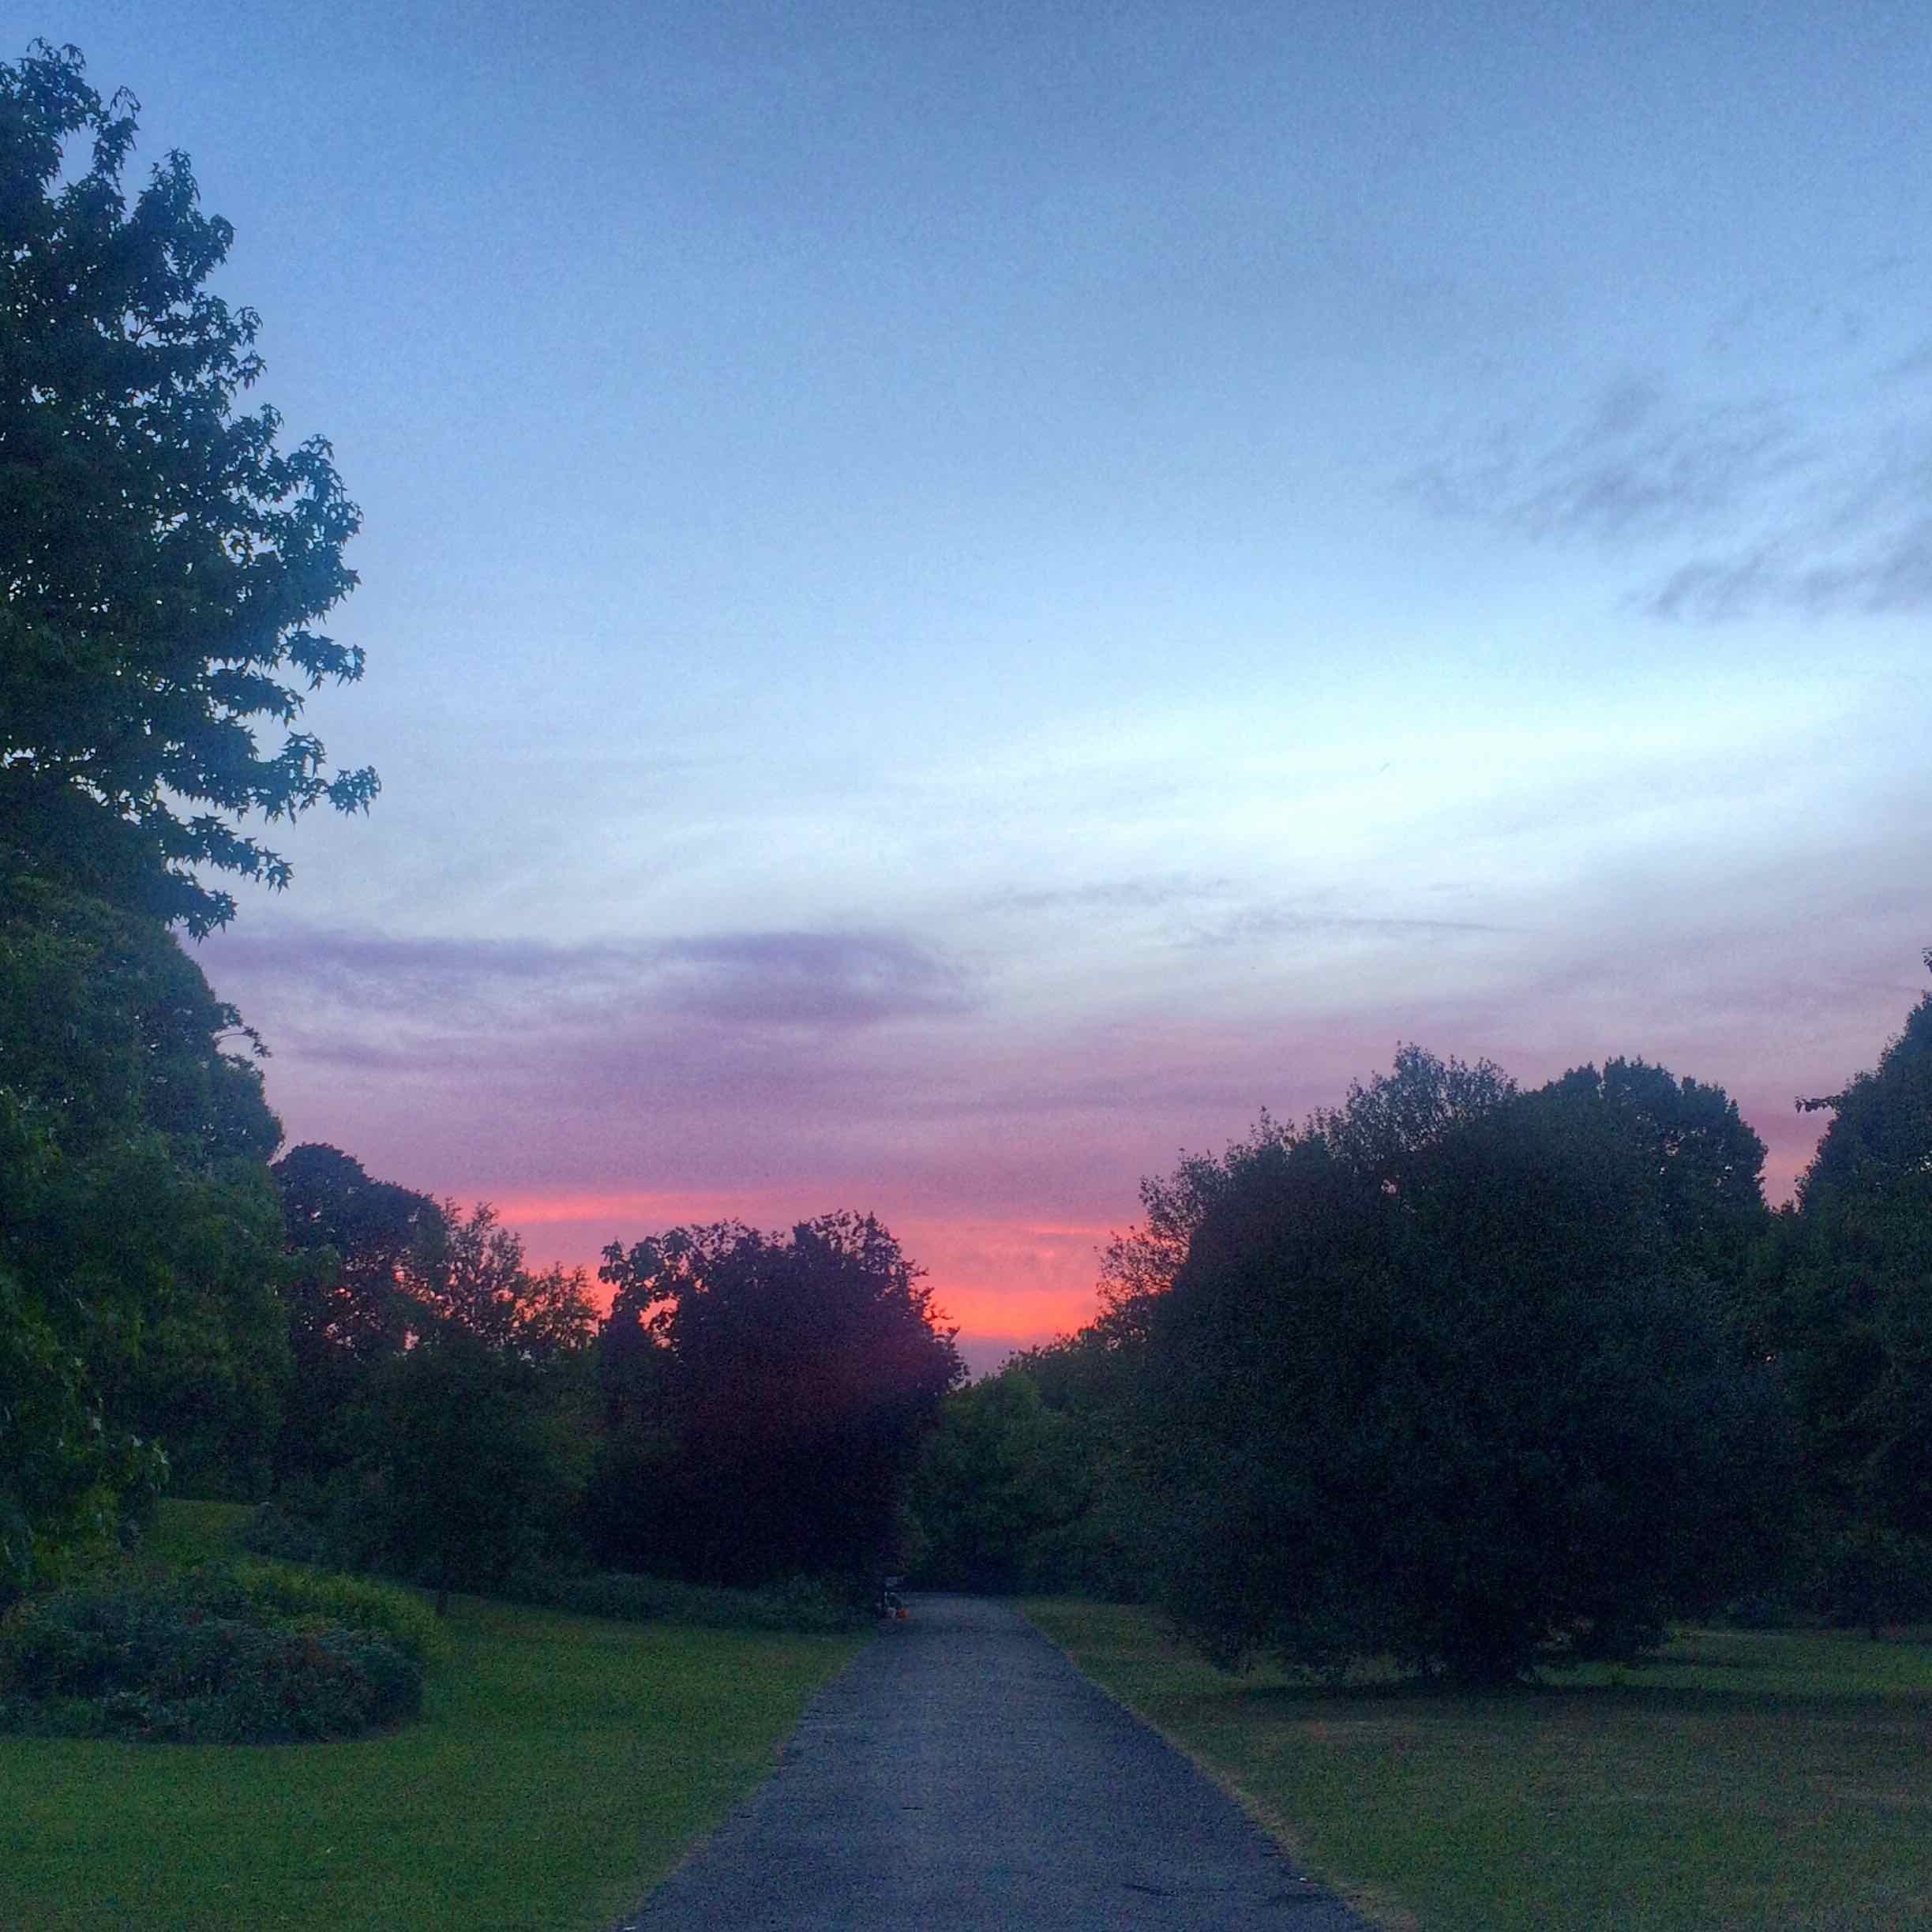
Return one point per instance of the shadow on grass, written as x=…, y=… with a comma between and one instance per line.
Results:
x=1418, y=1697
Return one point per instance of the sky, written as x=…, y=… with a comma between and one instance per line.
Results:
x=958, y=598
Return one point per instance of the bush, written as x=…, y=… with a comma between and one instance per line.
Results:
x=273, y=1532
x=154, y=1664
x=336, y=1525
x=803, y=1604
x=281, y=1593
x=1869, y=1574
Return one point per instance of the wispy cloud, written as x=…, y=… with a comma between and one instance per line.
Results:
x=1817, y=504
x=810, y=979
x=1263, y=925
x=834, y=980
x=1153, y=892
x=1640, y=464
x=1817, y=571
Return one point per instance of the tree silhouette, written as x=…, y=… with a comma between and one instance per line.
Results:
x=163, y=562
x=793, y=1377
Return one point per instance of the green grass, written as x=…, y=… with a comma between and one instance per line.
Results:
x=563, y=1765
x=190, y=1532
x=1761, y=1780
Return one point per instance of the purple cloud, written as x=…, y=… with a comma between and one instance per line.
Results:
x=784, y=979
x=1817, y=505
x=810, y=979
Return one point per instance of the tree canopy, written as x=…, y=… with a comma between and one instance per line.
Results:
x=1856, y=1318
x=1451, y=1372
x=796, y=1374
x=164, y=563
x=139, y=1242
x=467, y=1272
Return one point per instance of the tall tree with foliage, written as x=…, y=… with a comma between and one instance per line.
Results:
x=996, y=1484
x=1855, y=1327
x=164, y=564
x=1455, y=1410
x=164, y=567
x=473, y=1457
x=469, y=1442
x=1030, y=1482
x=797, y=1374
x=350, y=1238
x=467, y=1272
x=139, y=1241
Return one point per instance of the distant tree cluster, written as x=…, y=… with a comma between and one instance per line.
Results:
x=1472, y=1378
x=748, y=1410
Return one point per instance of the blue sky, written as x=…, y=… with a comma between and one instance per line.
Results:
x=958, y=598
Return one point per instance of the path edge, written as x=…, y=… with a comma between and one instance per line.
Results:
x=635, y=1914
x=1375, y=1908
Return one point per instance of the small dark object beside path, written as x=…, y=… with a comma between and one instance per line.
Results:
x=963, y=1774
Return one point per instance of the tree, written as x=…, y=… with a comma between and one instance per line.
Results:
x=1854, y=1321
x=62, y=1469
x=164, y=563
x=139, y=1243
x=797, y=1375
x=1703, y=1160
x=467, y=1439
x=1382, y=1130
x=358, y=1233
x=468, y=1273
x=469, y=1465
x=349, y=1239
x=1456, y=1410
x=1143, y=1261
x=996, y=1484
x=1378, y=1130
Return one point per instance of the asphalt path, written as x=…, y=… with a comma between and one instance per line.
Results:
x=961, y=1773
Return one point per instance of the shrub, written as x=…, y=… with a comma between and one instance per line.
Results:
x=802, y=1603
x=153, y=1663
x=1869, y=1574
x=281, y=1593
x=273, y=1532
x=338, y=1524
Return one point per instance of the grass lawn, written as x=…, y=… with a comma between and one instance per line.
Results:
x=1761, y=1780
x=186, y=1533
x=563, y=1765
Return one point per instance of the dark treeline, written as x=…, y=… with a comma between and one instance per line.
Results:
x=179, y=1310
x=1472, y=1377
x=747, y=1411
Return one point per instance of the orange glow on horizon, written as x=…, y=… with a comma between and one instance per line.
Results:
x=1012, y=1281
x=657, y=1210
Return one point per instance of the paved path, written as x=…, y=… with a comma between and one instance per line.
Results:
x=963, y=1774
